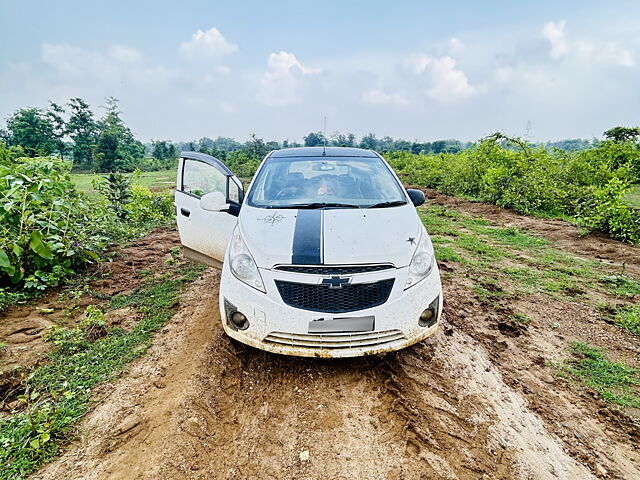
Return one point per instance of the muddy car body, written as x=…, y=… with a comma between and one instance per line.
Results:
x=325, y=255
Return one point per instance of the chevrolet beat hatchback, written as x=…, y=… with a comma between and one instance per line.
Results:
x=324, y=256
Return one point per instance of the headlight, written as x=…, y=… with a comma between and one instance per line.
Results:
x=422, y=262
x=242, y=264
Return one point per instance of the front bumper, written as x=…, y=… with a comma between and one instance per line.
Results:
x=280, y=328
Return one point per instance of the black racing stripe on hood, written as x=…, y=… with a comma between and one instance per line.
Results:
x=307, y=237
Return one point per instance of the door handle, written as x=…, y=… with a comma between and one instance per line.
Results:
x=185, y=212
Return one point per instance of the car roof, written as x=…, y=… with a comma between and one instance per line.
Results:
x=323, y=152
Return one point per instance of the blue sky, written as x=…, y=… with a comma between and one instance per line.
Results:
x=417, y=70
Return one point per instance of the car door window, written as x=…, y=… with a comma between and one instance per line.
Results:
x=199, y=178
x=234, y=192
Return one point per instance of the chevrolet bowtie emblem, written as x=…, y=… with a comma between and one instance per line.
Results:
x=335, y=281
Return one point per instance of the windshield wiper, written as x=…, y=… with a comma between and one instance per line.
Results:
x=394, y=203
x=320, y=205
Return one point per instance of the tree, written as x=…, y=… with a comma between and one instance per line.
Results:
x=31, y=129
x=385, y=144
x=59, y=127
x=255, y=147
x=160, y=150
x=272, y=145
x=369, y=142
x=206, y=145
x=163, y=150
x=338, y=139
x=623, y=134
x=116, y=148
x=402, y=145
x=226, y=144
x=314, y=139
x=83, y=130
x=5, y=136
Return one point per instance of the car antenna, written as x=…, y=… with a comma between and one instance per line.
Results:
x=324, y=137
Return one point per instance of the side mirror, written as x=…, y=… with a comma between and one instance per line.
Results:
x=416, y=196
x=214, y=202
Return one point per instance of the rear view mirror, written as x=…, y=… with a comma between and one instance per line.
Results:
x=416, y=196
x=323, y=167
x=214, y=202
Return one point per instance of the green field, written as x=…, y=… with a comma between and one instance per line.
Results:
x=153, y=180
x=633, y=196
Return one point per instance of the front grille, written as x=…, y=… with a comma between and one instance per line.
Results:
x=334, y=269
x=334, y=340
x=321, y=298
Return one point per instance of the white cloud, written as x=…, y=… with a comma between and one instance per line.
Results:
x=285, y=63
x=117, y=65
x=554, y=33
x=125, y=55
x=282, y=82
x=379, y=97
x=209, y=44
x=448, y=82
x=76, y=62
x=584, y=50
x=618, y=55
x=497, y=79
x=455, y=45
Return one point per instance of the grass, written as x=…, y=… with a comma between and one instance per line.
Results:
x=633, y=196
x=629, y=318
x=58, y=393
x=162, y=179
x=621, y=285
x=615, y=382
x=521, y=318
x=521, y=263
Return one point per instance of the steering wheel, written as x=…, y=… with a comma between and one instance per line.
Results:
x=288, y=193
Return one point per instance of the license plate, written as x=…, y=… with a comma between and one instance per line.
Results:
x=342, y=324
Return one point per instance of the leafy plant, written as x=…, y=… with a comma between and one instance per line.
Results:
x=45, y=225
x=48, y=230
x=94, y=323
x=115, y=187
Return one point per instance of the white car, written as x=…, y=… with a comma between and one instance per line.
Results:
x=325, y=256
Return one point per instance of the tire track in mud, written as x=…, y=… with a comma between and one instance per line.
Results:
x=594, y=434
x=437, y=410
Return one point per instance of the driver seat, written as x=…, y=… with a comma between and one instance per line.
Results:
x=291, y=180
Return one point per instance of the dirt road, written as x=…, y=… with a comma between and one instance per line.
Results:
x=479, y=400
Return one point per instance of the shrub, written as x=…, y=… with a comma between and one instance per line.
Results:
x=48, y=230
x=588, y=185
x=46, y=227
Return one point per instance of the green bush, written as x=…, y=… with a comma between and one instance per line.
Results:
x=588, y=185
x=48, y=229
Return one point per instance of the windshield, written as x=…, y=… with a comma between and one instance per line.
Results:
x=319, y=182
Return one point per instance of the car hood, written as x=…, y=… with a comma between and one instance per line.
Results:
x=330, y=236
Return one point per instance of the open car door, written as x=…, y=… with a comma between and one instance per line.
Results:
x=208, y=199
